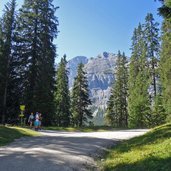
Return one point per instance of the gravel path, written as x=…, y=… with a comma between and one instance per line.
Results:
x=59, y=151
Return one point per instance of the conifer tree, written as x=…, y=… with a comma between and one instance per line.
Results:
x=6, y=58
x=62, y=97
x=117, y=114
x=165, y=65
x=158, y=115
x=152, y=40
x=153, y=47
x=36, y=30
x=80, y=99
x=111, y=116
x=1, y=71
x=138, y=99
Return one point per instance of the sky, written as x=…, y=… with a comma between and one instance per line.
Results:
x=90, y=27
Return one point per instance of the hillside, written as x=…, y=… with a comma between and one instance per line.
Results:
x=9, y=134
x=151, y=151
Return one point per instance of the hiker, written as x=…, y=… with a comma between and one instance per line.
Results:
x=40, y=120
x=36, y=122
x=31, y=119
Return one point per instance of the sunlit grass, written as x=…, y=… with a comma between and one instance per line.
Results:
x=149, y=152
x=8, y=134
x=82, y=129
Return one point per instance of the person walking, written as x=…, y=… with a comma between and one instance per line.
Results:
x=40, y=121
x=36, y=122
x=31, y=119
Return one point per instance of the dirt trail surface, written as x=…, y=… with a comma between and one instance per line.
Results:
x=60, y=151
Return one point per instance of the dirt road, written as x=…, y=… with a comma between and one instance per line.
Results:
x=60, y=151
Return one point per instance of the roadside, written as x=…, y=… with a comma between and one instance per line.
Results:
x=84, y=129
x=9, y=134
x=66, y=151
x=151, y=151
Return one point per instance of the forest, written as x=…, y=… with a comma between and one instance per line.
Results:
x=141, y=93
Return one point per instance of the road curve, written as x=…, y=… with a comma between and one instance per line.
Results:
x=60, y=151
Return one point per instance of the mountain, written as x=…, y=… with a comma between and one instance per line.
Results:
x=100, y=74
x=72, y=67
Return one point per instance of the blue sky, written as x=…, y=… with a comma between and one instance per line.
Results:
x=90, y=27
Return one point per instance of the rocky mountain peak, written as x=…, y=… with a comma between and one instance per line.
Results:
x=100, y=75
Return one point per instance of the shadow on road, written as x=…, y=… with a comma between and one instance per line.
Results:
x=50, y=153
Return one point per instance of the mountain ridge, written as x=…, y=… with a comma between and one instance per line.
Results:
x=100, y=75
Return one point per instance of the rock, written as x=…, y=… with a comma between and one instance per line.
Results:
x=100, y=75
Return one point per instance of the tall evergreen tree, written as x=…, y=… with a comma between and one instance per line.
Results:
x=153, y=47
x=62, y=97
x=117, y=114
x=138, y=99
x=1, y=70
x=6, y=57
x=165, y=63
x=152, y=40
x=80, y=99
x=36, y=30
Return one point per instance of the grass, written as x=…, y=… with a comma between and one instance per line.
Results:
x=9, y=134
x=149, y=152
x=82, y=129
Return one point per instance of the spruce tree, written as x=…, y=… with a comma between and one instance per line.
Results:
x=153, y=47
x=111, y=116
x=138, y=99
x=80, y=99
x=152, y=40
x=158, y=116
x=165, y=55
x=117, y=114
x=36, y=30
x=1, y=70
x=62, y=96
x=165, y=67
x=6, y=58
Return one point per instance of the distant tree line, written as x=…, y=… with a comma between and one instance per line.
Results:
x=71, y=108
x=142, y=98
x=27, y=67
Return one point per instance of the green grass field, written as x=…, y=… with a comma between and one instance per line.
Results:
x=150, y=152
x=82, y=129
x=8, y=134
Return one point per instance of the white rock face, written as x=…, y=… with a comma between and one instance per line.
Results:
x=72, y=67
x=100, y=74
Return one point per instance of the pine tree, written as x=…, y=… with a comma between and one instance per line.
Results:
x=111, y=116
x=80, y=99
x=138, y=99
x=158, y=116
x=62, y=97
x=117, y=114
x=152, y=40
x=6, y=57
x=36, y=30
x=165, y=62
x=1, y=70
x=165, y=67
